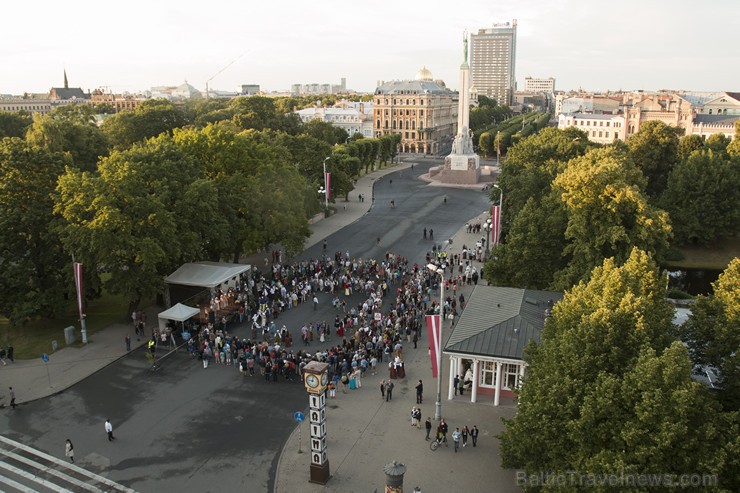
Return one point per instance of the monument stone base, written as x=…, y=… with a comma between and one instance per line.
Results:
x=460, y=169
x=319, y=473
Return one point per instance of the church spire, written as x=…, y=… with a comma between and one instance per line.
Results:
x=66, y=84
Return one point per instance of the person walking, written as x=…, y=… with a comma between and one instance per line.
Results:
x=388, y=390
x=382, y=389
x=315, y=302
x=431, y=234
x=474, y=435
x=425, y=233
x=109, y=430
x=456, y=438
x=12, y=398
x=69, y=450
x=414, y=420
x=428, y=426
x=10, y=353
x=128, y=342
x=419, y=392
x=465, y=433
x=456, y=383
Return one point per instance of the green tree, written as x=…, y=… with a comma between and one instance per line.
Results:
x=688, y=144
x=712, y=335
x=733, y=149
x=605, y=391
x=150, y=119
x=702, y=198
x=718, y=143
x=534, y=245
x=14, y=124
x=608, y=214
x=325, y=131
x=240, y=166
x=260, y=113
x=655, y=151
x=71, y=129
x=132, y=218
x=36, y=271
x=532, y=164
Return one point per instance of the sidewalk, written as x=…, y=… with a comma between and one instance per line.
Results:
x=364, y=432
x=34, y=379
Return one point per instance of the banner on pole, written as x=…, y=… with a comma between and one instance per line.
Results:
x=327, y=179
x=495, y=224
x=433, y=331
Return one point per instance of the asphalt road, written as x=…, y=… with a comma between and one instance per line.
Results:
x=188, y=429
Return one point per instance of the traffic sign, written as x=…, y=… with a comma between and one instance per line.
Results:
x=45, y=358
x=298, y=416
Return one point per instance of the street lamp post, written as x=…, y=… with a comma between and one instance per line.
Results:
x=488, y=226
x=438, y=404
x=500, y=206
x=326, y=186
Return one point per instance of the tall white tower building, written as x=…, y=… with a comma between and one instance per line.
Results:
x=493, y=62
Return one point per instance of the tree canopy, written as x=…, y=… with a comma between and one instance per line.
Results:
x=607, y=391
x=712, y=334
x=654, y=149
x=36, y=271
x=702, y=197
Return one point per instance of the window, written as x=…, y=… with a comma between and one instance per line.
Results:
x=510, y=374
x=487, y=374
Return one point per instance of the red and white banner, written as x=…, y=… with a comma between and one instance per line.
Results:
x=433, y=331
x=78, y=285
x=495, y=224
x=327, y=182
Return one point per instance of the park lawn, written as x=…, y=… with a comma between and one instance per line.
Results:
x=716, y=257
x=34, y=338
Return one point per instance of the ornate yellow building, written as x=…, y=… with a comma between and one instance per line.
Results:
x=422, y=111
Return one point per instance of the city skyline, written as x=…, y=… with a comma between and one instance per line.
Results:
x=591, y=45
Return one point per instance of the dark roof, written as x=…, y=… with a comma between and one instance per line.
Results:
x=68, y=93
x=734, y=95
x=500, y=322
x=401, y=87
x=716, y=119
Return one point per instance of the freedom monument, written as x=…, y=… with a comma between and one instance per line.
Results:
x=462, y=167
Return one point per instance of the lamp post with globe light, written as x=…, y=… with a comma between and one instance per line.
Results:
x=324, y=190
x=487, y=227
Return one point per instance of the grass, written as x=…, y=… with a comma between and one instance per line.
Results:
x=34, y=338
x=716, y=257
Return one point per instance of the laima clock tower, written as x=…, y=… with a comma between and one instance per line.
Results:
x=316, y=379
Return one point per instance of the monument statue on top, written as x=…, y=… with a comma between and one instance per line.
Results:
x=463, y=165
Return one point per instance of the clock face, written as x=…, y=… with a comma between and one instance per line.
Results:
x=312, y=380
x=324, y=378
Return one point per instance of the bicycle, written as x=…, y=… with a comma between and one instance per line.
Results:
x=435, y=444
x=393, y=204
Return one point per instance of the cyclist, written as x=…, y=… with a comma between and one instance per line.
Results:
x=445, y=199
x=393, y=204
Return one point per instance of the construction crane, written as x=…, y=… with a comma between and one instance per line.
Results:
x=232, y=62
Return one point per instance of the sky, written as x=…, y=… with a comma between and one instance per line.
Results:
x=131, y=46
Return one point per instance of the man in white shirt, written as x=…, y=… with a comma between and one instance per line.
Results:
x=109, y=430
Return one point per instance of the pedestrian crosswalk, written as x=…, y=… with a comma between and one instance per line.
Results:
x=27, y=470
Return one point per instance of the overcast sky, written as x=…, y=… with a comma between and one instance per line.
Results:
x=591, y=44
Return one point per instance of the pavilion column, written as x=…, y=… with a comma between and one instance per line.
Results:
x=453, y=371
x=476, y=377
x=497, y=387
